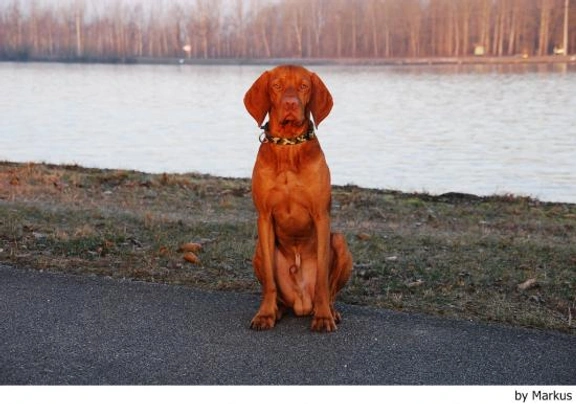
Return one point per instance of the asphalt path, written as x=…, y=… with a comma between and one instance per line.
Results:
x=58, y=329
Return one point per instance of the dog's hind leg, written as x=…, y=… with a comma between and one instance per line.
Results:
x=340, y=269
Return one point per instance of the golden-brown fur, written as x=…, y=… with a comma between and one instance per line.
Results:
x=299, y=262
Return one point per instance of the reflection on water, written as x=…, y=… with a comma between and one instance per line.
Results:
x=479, y=129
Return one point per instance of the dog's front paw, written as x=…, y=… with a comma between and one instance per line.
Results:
x=264, y=321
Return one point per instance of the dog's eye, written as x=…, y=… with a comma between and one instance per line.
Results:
x=277, y=86
x=304, y=87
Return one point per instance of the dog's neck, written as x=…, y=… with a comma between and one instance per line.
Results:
x=269, y=136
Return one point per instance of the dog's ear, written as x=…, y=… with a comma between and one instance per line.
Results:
x=257, y=99
x=320, y=100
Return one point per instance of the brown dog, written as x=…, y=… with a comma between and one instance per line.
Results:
x=300, y=264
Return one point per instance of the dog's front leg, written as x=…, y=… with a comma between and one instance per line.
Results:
x=323, y=319
x=268, y=312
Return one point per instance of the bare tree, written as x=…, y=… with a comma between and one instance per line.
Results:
x=284, y=28
x=544, y=26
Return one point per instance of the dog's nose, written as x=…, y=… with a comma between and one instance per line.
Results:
x=291, y=103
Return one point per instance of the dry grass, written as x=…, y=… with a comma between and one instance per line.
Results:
x=454, y=255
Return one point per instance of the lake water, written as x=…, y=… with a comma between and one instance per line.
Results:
x=473, y=129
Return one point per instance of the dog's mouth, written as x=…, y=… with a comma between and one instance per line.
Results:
x=290, y=122
x=291, y=119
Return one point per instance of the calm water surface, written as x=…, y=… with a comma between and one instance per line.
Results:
x=473, y=129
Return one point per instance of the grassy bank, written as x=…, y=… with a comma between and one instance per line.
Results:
x=503, y=259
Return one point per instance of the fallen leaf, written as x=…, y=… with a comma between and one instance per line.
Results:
x=192, y=258
x=528, y=284
x=363, y=236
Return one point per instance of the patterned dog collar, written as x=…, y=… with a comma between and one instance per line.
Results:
x=266, y=137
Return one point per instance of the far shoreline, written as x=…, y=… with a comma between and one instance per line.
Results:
x=423, y=61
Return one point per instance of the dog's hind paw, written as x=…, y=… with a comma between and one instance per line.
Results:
x=323, y=324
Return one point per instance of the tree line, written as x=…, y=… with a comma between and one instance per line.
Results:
x=246, y=29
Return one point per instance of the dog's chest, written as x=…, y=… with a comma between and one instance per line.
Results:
x=289, y=202
x=288, y=190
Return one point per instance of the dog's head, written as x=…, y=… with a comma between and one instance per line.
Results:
x=289, y=94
